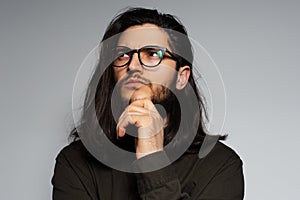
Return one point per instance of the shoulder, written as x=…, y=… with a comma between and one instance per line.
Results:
x=75, y=146
x=223, y=156
x=223, y=163
x=73, y=150
x=219, y=152
x=222, y=150
x=76, y=155
x=220, y=160
x=219, y=171
x=76, y=160
x=74, y=173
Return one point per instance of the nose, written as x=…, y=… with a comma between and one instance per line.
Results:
x=135, y=63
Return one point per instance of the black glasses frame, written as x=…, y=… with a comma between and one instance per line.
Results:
x=132, y=51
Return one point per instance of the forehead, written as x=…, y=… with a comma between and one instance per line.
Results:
x=142, y=35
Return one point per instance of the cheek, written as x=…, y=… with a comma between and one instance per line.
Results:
x=164, y=77
x=118, y=73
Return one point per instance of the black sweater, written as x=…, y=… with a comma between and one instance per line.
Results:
x=218, y=176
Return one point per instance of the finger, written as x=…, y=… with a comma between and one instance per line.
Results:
x=138, y=115
x=135, y=118
x=144, y=92
x=138, y=111
x=123, y=122
x=121, y=127
x=133, y=108
x=145, y=103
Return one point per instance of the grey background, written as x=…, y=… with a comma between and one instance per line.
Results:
x=255, y=45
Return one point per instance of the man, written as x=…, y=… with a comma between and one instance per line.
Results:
x=144, y=99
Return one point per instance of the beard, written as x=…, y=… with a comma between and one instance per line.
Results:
x=161, y=96
x=126, y=87
x=167, y=105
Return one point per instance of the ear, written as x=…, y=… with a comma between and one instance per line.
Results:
x=183, y=77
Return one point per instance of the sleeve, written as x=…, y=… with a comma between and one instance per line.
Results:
x=159, y=184
x=227, y=184
x=67, y=184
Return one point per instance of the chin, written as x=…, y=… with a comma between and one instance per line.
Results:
x=126, y=94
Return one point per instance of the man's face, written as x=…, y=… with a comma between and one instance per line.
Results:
x=134, y=76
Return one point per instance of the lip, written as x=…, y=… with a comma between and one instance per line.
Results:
x=134, y=83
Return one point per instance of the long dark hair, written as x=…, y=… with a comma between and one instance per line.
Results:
x=99, y=92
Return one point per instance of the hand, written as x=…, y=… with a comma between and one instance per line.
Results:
x=143, y=114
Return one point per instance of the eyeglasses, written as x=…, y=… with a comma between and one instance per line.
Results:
x=149, y=56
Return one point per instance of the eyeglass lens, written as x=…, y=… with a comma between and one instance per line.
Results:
x=148, y=56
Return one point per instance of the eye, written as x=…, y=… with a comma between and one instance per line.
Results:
x=155, y=53
x=122, y=53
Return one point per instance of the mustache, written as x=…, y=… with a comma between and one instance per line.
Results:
x=133, y=77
